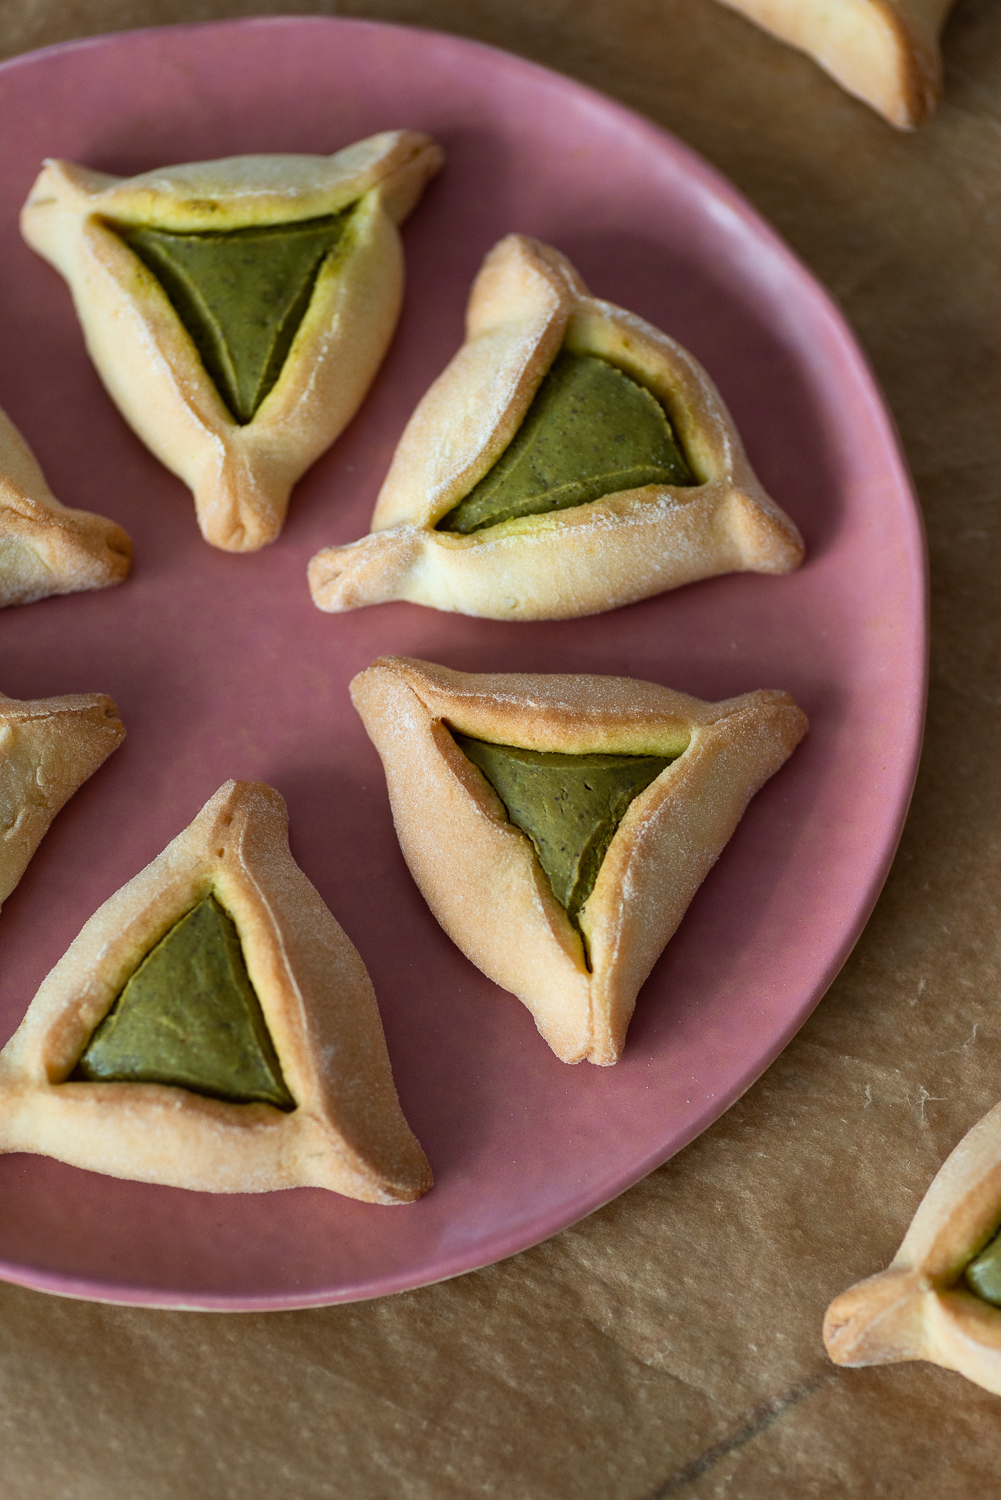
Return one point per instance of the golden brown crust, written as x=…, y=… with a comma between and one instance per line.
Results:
x=241, y=475
x=885, y=52
x=48, y=748
x=919, y=1308
x=479, y=873
x=526, y=302
x=46, y=548
x=347, y=1132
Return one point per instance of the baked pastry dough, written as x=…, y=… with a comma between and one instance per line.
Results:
x=885, y=52
x=241, y=473
x=480, y=874
x=921, y=1307
x=347, y=1131
x=46, y=548
x=48, y=748
x=527, y=303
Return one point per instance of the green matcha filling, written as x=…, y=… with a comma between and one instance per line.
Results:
x=569, y=805
x=983, y=1274
x=591, y=430
x=189, y=1017
x=241, y=294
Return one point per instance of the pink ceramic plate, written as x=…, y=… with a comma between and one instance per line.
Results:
x=222, y=667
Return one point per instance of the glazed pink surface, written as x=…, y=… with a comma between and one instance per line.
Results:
x=222, y=667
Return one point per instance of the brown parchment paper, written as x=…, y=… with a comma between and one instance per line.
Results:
x=669, y=1345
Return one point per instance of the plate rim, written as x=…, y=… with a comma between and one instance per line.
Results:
x=93, y=1288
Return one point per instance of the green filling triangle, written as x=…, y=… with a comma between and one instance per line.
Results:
x=591, y=430
x=568, y=805
x=189, y=1017
x=241, y=295
x=983, y=1274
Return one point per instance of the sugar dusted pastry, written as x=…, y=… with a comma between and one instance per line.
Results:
x=885, y=52
x=48, y=748
x=570, y=459
x=940, y=1298
x=45, y=547
x=559, y=826
x=213, y=1028
x=237, y=310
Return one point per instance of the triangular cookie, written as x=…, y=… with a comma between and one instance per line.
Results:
x=48, y=748
x=940, y=1298
x=346, y=1131
x=885, y=52
x=668, y=522
x=157, y=357
x=46, y=548
x=578, y=968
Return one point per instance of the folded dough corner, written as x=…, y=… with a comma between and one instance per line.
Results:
x=46, y=547
x=940, y=1297
x=48, y=749
x=885, y=52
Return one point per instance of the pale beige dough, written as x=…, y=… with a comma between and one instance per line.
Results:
x=48, y=748
x=347, y=1132
x=479, y=873
x=45, y=547
x=241, y=475
x=885, y=52
x=527, y=302
x=920, y=1308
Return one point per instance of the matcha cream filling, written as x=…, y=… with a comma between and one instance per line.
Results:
x=241, y=294
x=590, y=431
x=189, y=1017
x=568, y=805
x=983, y=1274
